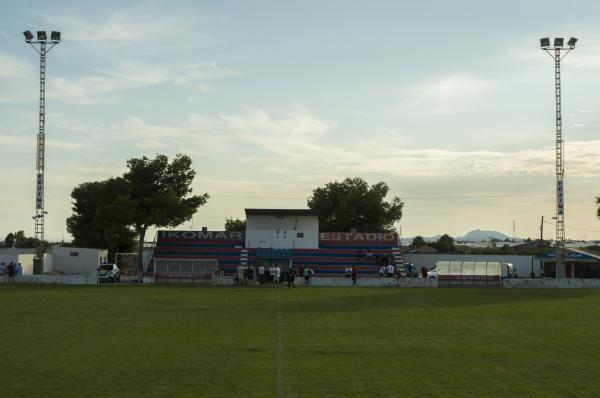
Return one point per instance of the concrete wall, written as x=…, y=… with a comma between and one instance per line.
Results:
x=366, y=282
x=55, y=279
x=75, y=260
x=281, y=232
x=552, y=283
x=521, y=263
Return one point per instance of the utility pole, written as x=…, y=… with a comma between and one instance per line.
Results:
x=40, y=46
x=556, y=53
x=514, y=231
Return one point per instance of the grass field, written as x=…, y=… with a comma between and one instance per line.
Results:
x=153, y=341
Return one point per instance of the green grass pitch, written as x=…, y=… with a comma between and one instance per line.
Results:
x=185, y=341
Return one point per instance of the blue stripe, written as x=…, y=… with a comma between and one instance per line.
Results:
x=346, y=255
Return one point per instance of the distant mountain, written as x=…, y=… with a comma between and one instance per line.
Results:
x=478, y=235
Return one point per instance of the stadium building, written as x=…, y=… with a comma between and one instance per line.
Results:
x=282, y=237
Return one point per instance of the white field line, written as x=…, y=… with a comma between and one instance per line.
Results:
x=279, y=346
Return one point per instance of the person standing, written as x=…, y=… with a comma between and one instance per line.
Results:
x=11, y=271
x=277, y=274
x=409, y=269
x=261, y=274
x=390, y=271
x=382, y=271
x=271, y=273
x=250, y=273
x=307, y=273
x=240, y=275
x=354, y=275
x=291, y=277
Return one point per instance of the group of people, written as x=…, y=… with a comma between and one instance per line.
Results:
x=389, y=271
x=11, y=269
x=272, y=275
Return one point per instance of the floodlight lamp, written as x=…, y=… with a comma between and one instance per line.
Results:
x=545, y=42
x=571, y=42
x=41, y=35
x=558, y=42
x=28, y=35
x=55, y=36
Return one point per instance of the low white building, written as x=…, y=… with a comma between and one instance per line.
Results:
x=282, y=228
x=66, y=260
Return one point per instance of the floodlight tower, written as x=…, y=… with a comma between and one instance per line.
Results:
x=558, y=52
x=40, y=47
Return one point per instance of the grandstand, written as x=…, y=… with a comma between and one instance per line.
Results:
x=276, y=237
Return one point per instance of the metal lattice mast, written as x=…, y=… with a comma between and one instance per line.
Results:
x=557, y=56
x=560, y=152
x=40, y=159
x=40, y=46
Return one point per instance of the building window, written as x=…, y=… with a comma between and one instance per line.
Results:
x=300, y=235
x=74, y=254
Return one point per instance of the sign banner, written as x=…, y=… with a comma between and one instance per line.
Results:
x=39, y=195
x=560, y=199
x=359, y=236
x=206, y=235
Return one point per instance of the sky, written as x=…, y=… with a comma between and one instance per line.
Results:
x=450, y=103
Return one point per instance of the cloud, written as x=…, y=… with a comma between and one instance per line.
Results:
x=451, y=94
x=298, y=144
x=137, y=25
x=194, y=72
x=17, y=79
x=14, y=67
x=129, y=76
x=590, y=58
x=29, y=143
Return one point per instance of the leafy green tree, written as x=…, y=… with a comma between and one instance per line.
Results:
x=353, y=204
x=160, y=194
x=22, y=241
x=598, y=206
x=235, y=225
x=418, y=241
x=9, y=240
x=102, y=213
x=445, y=244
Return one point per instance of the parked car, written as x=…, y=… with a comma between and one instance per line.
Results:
x=432, y=273
x=108, y=273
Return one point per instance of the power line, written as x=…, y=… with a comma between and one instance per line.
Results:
x=574, y=227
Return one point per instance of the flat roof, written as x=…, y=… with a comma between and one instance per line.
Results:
x=282, y=212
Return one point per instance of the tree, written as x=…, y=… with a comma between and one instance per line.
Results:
x=9, y=240
x=22, y=241
x=352, y=204
x=159, y=194
x=235, y=225
x=445, y=244
x=598, y=206
x=102, y=213
x=418, y=241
